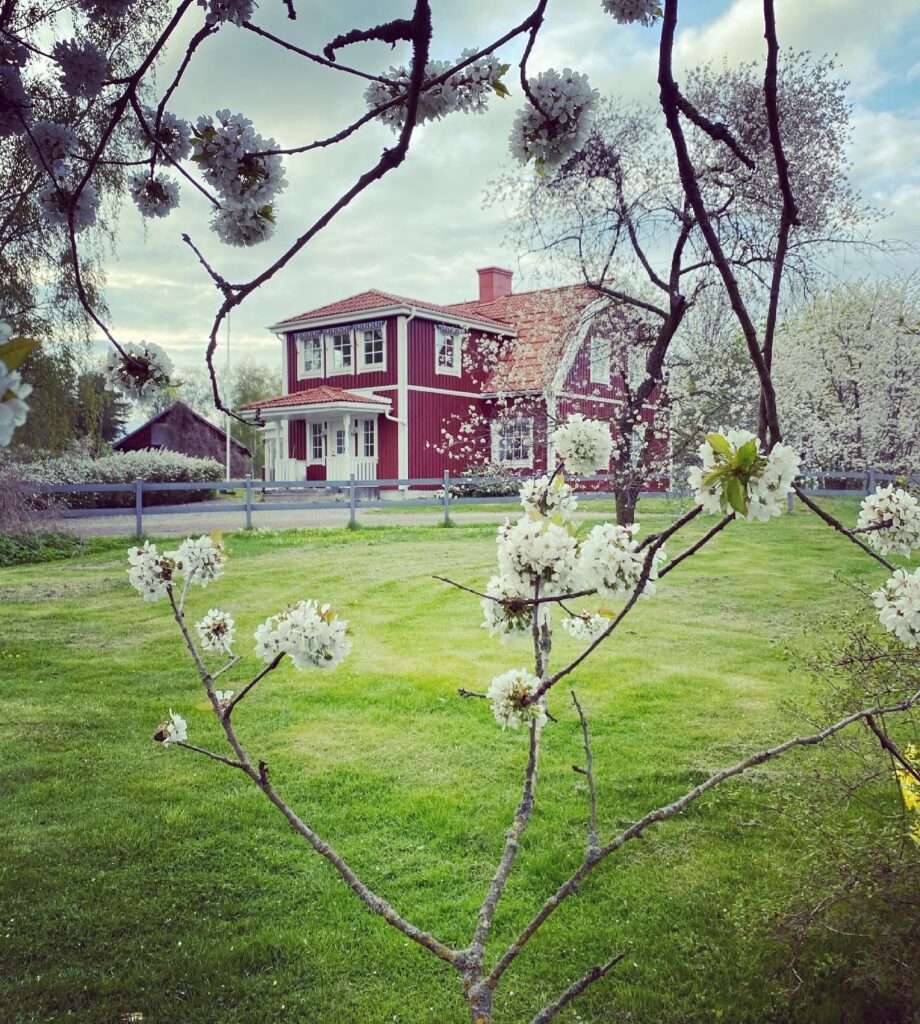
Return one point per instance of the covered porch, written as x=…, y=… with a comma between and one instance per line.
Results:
x=320, y=434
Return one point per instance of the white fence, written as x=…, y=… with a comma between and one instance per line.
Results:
x=353, y=494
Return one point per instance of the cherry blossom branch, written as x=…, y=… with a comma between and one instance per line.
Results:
x=674, y=808
x=512, y=845
x=672, y=563
x=588, y=771
x=270, y=667
x=259, y=775
x=839, y=527
x=210, y=753
x=315, y=57
x=576, y=988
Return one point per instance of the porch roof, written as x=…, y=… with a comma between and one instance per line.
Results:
x=321, y=396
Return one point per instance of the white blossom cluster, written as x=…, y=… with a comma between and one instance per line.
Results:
x=900, y=511
x=141, y=373
x=768, y=491
x=562, y=124
x=771, y=476
x=149, y=572
x=545, y=497
x=585, y=627
x=583, y=445
x=626, y=11
x=173, y=136
x=200, y=559
x=238, y=12
x=155, y=196
x=83, y=68
x=57, y=202
x=216, y=631
x=228, y=153
x=13, y=407
x=15, y=105
x=507, y=620
x=310, y=633
x=173, y=730
x=534, y=550
x=898, y=604
x=611, y=563
x=50, y=146
x=467, y=89
x=507, y=693
x=152, y=574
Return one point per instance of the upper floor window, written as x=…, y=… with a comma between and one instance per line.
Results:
x=600, y=360
x=447, y=350
x=373, y=352
x=512, y=441
x=341, y=356
x=310, y=355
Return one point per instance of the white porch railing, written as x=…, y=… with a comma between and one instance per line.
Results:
x=341, y=467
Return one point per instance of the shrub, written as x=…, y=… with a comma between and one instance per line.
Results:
x=126, y=467
x=501, y=482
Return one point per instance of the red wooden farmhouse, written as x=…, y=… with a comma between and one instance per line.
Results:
x=379, y=386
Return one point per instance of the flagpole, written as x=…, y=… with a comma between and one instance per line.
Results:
x=227, y=414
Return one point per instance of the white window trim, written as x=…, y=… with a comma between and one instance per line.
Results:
x=312, y=459
x=496, y=438
x=361, y=436
x=373, y=367
x=449, y=371
x=300, y=346
x=603, y=377
x=331, y=370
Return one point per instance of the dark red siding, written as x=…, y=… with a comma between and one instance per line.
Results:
x=421, y=355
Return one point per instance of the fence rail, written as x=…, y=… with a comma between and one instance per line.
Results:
x=342, y=494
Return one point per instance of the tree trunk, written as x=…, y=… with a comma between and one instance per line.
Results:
x=626, y=499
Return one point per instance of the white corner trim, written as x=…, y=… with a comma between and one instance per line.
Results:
x=402, y=396
x=575, y=340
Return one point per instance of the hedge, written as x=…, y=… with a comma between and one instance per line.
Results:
x=125, y=467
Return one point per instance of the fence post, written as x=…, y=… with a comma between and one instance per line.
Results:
x=138, y=506
x=249, y=501
x=446, y=496
x=790, y=503
x=352, y=512
x=870, y=481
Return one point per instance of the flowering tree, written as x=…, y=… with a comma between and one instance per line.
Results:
x=543, y=565
x=848, y=377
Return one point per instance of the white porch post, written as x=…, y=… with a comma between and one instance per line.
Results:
x=349, y=446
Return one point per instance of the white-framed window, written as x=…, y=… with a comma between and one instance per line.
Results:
x=341, y=352
x=448, y=347
x=340, y=448
x=600, y=360
x=309, y=355
x=512, y=441
x=369, y=438
x=372, y=346
x=317, y=442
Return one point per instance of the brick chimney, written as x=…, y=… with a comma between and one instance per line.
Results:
x=494, y=283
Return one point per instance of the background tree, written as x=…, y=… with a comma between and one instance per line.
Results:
x=848, y=377
x=617, y=217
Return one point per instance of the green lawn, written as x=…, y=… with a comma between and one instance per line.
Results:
x=140, y=880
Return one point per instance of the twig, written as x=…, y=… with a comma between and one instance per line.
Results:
x=886, y=743
x=692, y=550
x=214, y=757
x=588, y=771
x=576, y=988
x=676, y=807
x=839, y=527
x=270, y=667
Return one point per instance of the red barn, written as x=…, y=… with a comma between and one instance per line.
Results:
x=385, y=387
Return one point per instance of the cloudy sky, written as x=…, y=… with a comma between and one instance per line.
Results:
x=424, y=229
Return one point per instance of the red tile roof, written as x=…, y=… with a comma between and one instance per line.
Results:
x=374, y=299
x=544, y=320
x=316, y=396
